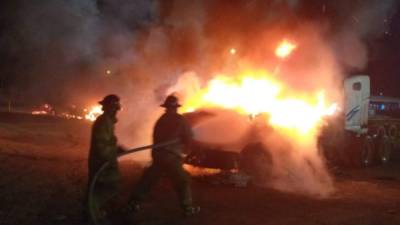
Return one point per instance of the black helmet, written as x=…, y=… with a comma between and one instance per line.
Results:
x=171, y=102
x=110, y=100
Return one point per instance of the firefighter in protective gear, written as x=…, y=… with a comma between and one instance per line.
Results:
x=104, y=148
x=168, y=161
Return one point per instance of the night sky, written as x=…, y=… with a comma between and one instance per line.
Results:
x=385, y=60
x=41, y=54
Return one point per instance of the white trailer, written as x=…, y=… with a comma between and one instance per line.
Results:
x=371, y=125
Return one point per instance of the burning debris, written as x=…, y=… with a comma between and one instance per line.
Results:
x=231, y=177
x=93, y=112
x=89, y=114
x=44, y=109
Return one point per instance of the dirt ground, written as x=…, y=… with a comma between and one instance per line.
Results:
x=43, y=177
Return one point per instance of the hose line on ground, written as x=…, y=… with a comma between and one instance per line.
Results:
x=106, y=164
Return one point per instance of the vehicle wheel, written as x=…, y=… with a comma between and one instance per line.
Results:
x=256, y=162
x=384, y=149
x=367, y=152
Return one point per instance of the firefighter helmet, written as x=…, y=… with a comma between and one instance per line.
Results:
x=110, y=100
x=171, y=102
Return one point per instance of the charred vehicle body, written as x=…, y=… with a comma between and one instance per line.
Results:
x=251, y=159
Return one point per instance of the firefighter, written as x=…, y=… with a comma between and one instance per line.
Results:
x=168, y=161
x=104, y=148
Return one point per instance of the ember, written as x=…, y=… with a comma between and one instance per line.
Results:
x=232, y=51
x=285, y=49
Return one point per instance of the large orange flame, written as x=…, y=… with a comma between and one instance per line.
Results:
x=255, y=92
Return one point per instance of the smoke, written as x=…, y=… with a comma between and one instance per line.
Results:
x=224, y=128
x=328, y=50
x=149, y=46
x=297, y=165
x=360, y=23
x=61, y=42
x=55, y=39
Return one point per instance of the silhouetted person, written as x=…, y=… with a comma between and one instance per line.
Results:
x=168, y=160
x=104, y=148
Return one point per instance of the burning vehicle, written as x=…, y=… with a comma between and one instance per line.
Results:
x=365, y=133
x=260, y=111
x=255, y=127
x=311, y=124
x=249, y=161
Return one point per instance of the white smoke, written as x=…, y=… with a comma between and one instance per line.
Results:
x=297, y=166
x=362, y=22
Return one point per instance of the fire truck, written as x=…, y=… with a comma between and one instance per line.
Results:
x=371, y=126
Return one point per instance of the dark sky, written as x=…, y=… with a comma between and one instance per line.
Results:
x=384, y=65
x=27, y=62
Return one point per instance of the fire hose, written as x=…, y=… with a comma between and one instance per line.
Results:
x=106, y=164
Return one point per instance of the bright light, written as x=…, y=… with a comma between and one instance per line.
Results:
x=255, y=92
x=232, y=51
x=200, y=171
x=108, y=72
x=284, y=49
x=39, y=112
x=93, y=112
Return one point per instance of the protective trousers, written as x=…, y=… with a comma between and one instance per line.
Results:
x=105, y=189
x=169, y=165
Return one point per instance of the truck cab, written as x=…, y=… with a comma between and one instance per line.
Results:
x=356, y=104
x=373, y=122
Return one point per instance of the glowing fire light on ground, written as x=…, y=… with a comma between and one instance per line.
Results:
x=44, y=109
x=93, y=112
x=39, y=112
x=197, y=171
x=255, y=92
x=284, y=49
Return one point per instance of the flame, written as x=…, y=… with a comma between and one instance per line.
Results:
x=67, y=115
x=200, y=171
x=255, y=92
x=44, y=109
x=93, y=112
x=39, y=112
x=284, y=49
